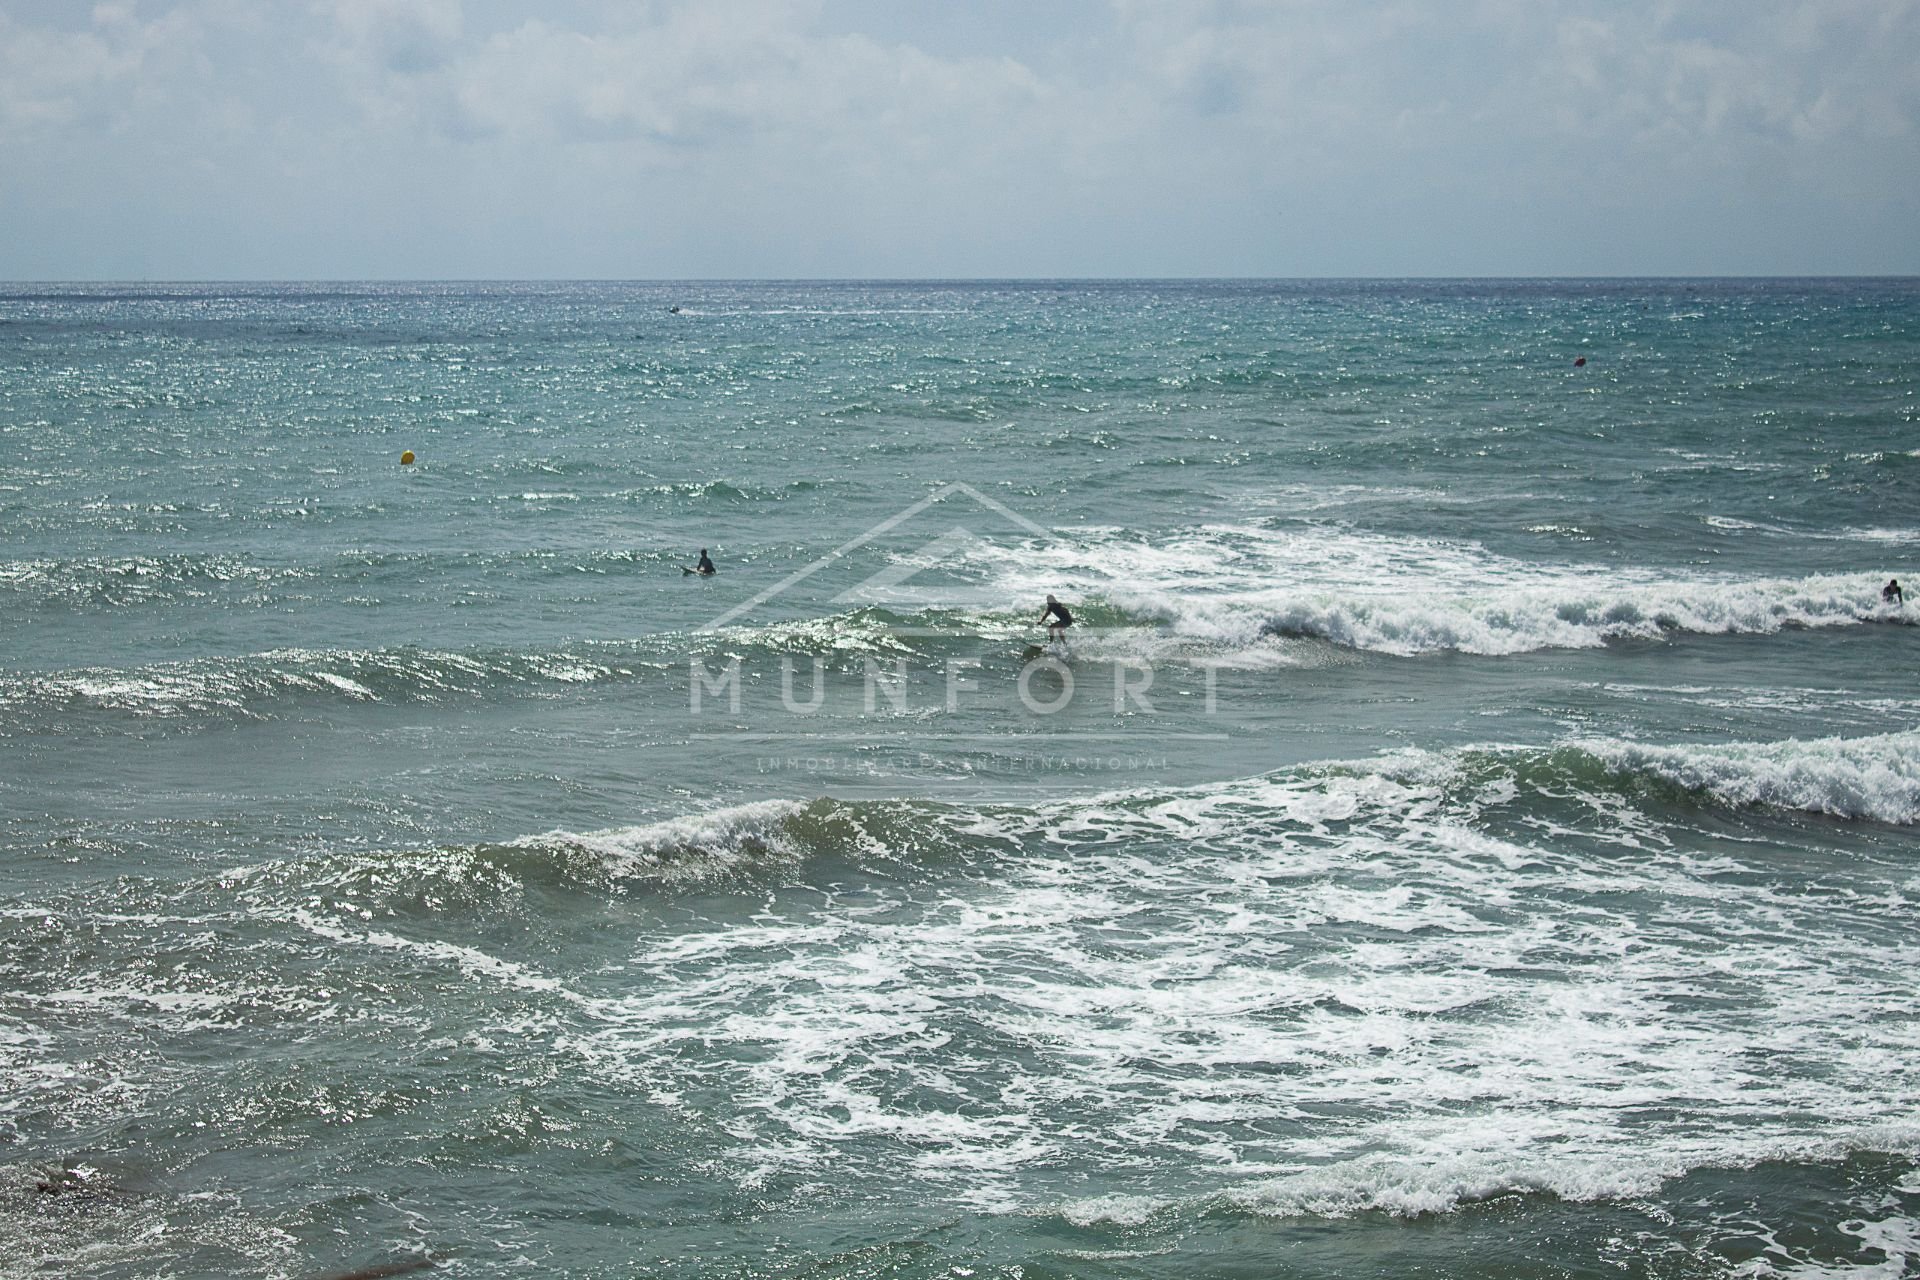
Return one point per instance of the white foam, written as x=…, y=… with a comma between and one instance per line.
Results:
x=1519, y=619
x=1896, y=1239
x=1896, y=537
x=353, y=687
x=693, y=846
x=1118, y=1210
x=1197, y=979
x=1873, y=777
x=1328, y=991
x=124, y=996
x=1235, y=587
x=1408, y=1188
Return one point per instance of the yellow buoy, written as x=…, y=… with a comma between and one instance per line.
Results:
x=406, y=458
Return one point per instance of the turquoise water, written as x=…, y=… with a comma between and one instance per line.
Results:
x=1468, y=831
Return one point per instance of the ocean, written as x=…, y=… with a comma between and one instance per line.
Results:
x=1469, y=829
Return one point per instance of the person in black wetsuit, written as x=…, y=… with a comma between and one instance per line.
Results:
x=1892, y=594
x=703, y=566
x=1061, y=619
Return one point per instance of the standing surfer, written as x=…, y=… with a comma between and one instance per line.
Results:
x=1061, y=619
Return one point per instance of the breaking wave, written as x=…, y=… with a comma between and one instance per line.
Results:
x=1876, y=778
x=1524, y=619
x=253, y=685
x=1239, y=588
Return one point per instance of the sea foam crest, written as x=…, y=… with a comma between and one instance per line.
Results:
x=1239, y=587
x=1569, y=615
x=1876, y=778
x=1407, y=1189
x=691, y=847
x=1404, y=1187
x=254, y=684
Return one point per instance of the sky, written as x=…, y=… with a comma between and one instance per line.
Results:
x=744, y=139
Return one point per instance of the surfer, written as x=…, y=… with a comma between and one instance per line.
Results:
x=1892, y=594
x=1061, y=619
x=703, y=566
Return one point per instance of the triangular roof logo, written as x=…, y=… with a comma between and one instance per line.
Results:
x=893, y=584
x=892, y=579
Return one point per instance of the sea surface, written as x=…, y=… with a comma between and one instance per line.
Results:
x=1469, y=831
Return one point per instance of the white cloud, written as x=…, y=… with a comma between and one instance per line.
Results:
x=1172, y=135
x=52, y=80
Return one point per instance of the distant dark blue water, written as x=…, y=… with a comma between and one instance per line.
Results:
x=1469, y=827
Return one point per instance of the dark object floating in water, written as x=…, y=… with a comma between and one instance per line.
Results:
x=1580, y=362
x=385, y=1269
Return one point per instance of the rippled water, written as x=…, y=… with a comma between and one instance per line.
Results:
x=1470, y=828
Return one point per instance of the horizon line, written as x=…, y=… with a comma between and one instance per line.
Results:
x=925, y=280
x=922, y=281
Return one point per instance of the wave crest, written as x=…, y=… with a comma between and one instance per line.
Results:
x=1521, y=620
x=744, y=840
x=1876, y=778
x=693, y=847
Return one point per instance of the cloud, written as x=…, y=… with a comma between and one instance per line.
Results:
x=1147, y=136
x=403, y=37
x=702, y=77
x=53, y=80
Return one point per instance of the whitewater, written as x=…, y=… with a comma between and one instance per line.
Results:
x=1469, y=828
